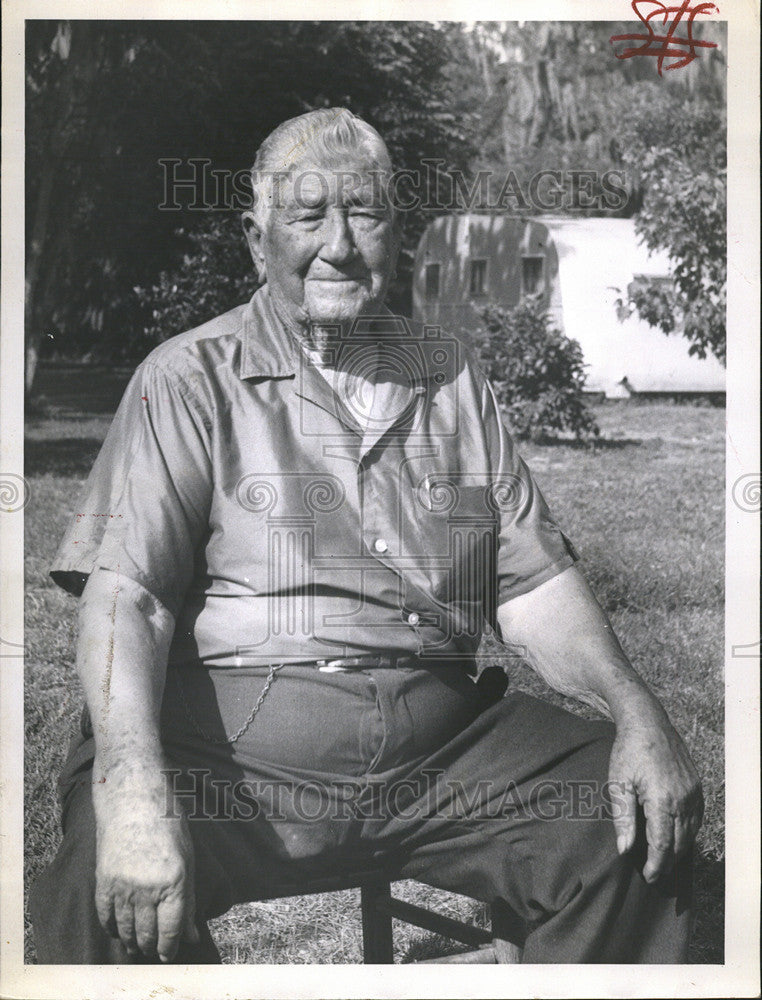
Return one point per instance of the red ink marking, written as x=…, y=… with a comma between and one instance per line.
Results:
x=669, y=46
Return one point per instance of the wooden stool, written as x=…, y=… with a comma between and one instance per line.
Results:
x=502, y=944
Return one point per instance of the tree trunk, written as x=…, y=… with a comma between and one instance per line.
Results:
x=75, y=44
x=32, y=321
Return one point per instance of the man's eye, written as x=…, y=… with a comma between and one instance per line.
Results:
x=308, y=221
x=367, y=217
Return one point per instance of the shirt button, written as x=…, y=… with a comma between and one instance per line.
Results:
x=380, y=545
x=413, y=618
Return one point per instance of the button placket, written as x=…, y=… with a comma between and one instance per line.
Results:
x=376, y=541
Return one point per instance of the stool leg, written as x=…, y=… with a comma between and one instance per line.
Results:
x=377, y=944
x=507, y=930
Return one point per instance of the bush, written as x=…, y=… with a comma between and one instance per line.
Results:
x=215, y=275
x=538, y=373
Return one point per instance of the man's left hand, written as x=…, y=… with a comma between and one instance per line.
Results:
x=650, y=765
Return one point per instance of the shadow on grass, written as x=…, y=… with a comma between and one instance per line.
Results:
x=71, y=391
x=61, y=456
x=591, y=444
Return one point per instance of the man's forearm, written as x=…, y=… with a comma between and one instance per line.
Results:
x=569, y=641
x=144, y=871
x=124, y=637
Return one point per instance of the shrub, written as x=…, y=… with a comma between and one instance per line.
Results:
x=538, y=372
x=215, y=274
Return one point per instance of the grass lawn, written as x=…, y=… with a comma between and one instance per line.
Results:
x=645, y=510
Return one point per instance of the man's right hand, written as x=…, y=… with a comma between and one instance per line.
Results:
x=144, y=874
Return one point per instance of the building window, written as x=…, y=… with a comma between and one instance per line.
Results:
x=478, y=281
x=532, y=275
x=432, y=281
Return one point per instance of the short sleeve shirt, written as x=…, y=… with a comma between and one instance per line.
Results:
x=275, y=519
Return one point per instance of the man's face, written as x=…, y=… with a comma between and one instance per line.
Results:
x=330, y=242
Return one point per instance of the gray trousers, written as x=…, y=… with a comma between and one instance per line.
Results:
x=497, y=800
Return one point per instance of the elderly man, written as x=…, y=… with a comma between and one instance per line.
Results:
x=303, y=515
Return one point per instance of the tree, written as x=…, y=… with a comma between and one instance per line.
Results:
x=67, y=68
x=395, y=76
x=214, y=275
x=105, y=112
x=548, y=88
x=677, y=146
x=556, y=97
x=94, y=228
x=552, y=95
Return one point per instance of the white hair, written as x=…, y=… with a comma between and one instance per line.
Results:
x=324, y=135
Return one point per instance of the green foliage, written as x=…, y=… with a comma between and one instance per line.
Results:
x=553, y=96
x=394, y=75
x=215, y=275
x=538, y=373
x=107, y=101
x=677, y=145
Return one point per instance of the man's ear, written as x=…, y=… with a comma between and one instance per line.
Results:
x=253, y=235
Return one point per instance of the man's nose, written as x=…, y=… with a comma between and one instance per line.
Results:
x=338, y=244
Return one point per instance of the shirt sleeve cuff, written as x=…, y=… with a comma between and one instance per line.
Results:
x=507, y=591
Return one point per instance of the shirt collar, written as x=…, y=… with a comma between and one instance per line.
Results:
x=270, y=350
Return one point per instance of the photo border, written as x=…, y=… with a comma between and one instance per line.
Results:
x=739, y=976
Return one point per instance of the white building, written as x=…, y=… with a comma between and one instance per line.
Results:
x=580, y=266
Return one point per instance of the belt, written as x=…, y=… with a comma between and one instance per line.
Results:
x=371, y=661
x=339, y=664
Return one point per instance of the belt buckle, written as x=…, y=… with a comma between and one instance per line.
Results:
x=343, y=664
